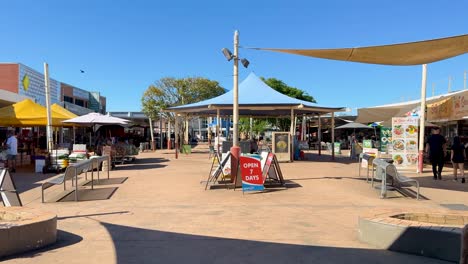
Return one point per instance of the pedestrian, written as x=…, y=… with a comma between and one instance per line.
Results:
x=12, y=151
x=436, y=148
x=458, y=158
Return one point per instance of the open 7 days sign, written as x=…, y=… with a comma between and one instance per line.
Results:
x=251, y=171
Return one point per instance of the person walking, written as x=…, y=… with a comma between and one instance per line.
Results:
x=436, y=148
x=12, y=151
x=458, y=158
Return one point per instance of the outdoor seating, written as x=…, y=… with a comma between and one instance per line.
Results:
x=72, y=172
x=385, y=171
x=393, y=172
x=370, y=165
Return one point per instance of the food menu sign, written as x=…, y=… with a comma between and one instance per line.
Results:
x=404, y=148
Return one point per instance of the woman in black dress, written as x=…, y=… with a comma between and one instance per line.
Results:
x=458, y=158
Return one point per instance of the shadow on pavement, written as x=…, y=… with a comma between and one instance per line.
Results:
x=137, y=245
x=142, y=164
x=64, y=239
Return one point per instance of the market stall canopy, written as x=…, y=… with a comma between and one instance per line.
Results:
x=59, y=109
x=28, y=113
x=256, y=98
x=97, y=119
x=412, y=53
x=353, y=125
x=386, y=112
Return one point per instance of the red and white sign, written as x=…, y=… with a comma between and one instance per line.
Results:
x=251, y=171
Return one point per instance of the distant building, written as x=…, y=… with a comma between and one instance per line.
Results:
x=18, y=82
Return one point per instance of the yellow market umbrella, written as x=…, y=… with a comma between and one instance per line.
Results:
x=28, y=113
x=59, y=109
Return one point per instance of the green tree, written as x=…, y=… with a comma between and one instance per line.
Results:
x=284, y=124
x=290, y=91
x=168, y=92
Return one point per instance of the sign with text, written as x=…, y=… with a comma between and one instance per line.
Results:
x=404, y=148
x=251, y=171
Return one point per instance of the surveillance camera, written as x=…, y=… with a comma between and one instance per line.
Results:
x=227, y=53
x=245, y=62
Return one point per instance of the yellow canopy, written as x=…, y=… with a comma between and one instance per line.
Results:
x=59, y=109
x=28, y=113
x=413, y=53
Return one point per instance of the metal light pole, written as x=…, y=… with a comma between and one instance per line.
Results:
x=235, y=109
x=235, y=149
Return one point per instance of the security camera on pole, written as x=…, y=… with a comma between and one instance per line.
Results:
x=235, y=150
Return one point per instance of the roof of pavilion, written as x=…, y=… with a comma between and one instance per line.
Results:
x=256, y=98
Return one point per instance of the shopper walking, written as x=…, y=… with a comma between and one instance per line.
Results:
x=436, y=148
x=458, y=158
x=12, y=151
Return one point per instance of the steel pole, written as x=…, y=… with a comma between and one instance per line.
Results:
x=49, y=114
x=422, y=116
x=236, y=91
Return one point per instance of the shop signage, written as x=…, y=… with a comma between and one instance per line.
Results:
x=385, y=138
x=251, y=171
x=404, y=144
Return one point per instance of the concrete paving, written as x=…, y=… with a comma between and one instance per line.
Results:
x=162, y=214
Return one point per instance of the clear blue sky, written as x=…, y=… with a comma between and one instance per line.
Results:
x=124, y=46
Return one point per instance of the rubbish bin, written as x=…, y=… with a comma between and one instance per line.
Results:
x=187, y=149
x=39, y=162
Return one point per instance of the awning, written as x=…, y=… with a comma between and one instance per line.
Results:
x=412, y=53
x=28, y=113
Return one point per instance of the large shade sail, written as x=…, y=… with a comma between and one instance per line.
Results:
x=28, y=113
x=413, y=53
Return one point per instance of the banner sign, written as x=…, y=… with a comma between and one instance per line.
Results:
x=440, y=111
x=251, y=171
x=367, y=143
x=385, y=138
x=404, y=143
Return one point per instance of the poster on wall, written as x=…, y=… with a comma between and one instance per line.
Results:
x=385, y=138
x=404, y=142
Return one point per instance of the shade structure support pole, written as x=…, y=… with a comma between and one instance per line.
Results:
x=160, y=132
x=319, y=135
x=218, y=129
x=303, y=128
x=291, y=131
x=176, y=135
x=151, y=133
x=186, y=131
x=422, y=118
x=169, y=134
x=199, y=128
x=333, y=135
x=50, y=143
x=251, y=128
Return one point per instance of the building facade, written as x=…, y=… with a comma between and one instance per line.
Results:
x=18, y=82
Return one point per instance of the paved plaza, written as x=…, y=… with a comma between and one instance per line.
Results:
x=162, y=214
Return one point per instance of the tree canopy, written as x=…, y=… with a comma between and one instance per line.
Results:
x=169, y=91
x=285, y=89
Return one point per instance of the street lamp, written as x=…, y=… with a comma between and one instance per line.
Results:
x=235, y=150
x=235, y=109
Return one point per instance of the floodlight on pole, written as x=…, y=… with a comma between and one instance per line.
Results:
x=227, y=53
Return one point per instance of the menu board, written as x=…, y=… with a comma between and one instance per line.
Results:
x=404, y=144
x=385, y=138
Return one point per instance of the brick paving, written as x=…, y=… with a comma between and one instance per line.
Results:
x=162, y=214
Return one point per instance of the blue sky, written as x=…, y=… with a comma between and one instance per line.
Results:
x=124, y=46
